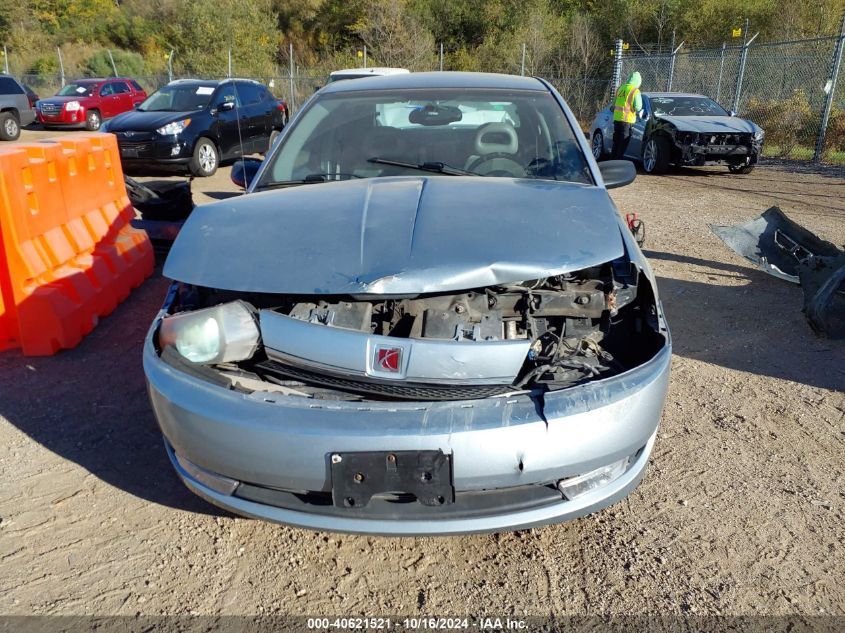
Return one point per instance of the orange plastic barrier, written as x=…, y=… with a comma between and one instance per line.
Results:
x=69, y=255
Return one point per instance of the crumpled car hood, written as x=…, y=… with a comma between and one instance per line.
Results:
x=395, y=236
x=711, y=124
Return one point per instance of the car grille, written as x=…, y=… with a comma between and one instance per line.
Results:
x=50, y=108
x=727, y=139
x=138, y=146
x=394, y=390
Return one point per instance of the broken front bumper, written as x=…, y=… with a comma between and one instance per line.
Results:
x=268, y=455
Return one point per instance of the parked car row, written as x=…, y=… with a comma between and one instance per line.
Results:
x=190, y=125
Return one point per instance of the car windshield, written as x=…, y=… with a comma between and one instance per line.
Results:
x=76, y=90
x=454, y=132
x=178, y=99
x=685, y=106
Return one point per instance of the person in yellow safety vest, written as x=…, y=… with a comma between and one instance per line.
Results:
x=626, y=108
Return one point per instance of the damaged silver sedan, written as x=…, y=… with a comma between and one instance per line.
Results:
x=426, y=317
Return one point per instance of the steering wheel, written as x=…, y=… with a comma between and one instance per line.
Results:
x=510, y=168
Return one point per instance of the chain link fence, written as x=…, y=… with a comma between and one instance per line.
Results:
x=791, y=89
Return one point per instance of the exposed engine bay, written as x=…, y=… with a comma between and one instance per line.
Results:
x=531, y=336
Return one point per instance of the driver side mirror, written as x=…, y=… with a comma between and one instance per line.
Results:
x=244, y=171
x=617, y=173
x=732, y=113
x=226, y=106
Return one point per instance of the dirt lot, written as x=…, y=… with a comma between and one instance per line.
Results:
x=741, y=510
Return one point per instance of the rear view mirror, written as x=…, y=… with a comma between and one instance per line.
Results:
x=244, y=171
x=434, y=114
x=617, y=173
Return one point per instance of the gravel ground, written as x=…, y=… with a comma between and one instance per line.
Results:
x=740, y=512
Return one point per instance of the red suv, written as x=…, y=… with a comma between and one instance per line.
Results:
x=88, y=102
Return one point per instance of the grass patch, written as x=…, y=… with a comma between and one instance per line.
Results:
x=804, y=153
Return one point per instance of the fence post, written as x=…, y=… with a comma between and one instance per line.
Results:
x=61, y=66
x=672, y=62
x=111, y=59
x=365, y=55
x=5, y=60
x=441, y=57
x=740, y=75
x=292, y=96
x=616, y=79
x=170, y=66
x=721, y=68
x=229, y=72
x=522, y=72
x=835, y=64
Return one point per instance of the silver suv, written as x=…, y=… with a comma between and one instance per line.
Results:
x=15, y=109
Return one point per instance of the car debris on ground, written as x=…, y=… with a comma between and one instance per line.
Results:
x=788, y=251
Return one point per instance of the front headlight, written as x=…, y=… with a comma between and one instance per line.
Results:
x=224, y=333
x=175, y=127
x=758, y=135
x=72, y=106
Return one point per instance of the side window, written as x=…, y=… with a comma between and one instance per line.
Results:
x=9, y=86
x=227, y=94
x=120, y=88
x=137, y=86
x=106, y=90
x=250, y=93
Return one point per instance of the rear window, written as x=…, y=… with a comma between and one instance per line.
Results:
x=9, y=86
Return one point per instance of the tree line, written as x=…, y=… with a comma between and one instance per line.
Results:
x=564, y=38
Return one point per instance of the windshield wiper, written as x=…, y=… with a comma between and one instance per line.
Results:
x=310, y=179
x=439, y=168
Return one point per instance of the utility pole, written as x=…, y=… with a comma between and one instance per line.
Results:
x=170, y=66
x=522, y=72
x=230, y=63
x=113, y=67
x=6, y=60
x=61, y=66
x=441, y=57
x=365, y=55
x=830, y=88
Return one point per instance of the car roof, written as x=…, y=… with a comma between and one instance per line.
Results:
x=437, y=79
x=674, y=94
x=372, y=70
x=210, y=82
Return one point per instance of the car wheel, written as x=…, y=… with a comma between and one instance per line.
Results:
x=656, y=155
x=598, y=145
x=742, y=168
x=93, y=121
x=205, y=159
x=10, y=127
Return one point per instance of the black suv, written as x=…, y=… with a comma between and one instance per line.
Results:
x=15, y=108
x=198, y=124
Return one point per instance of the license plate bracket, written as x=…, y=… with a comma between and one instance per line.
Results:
x=128, y=152
x=356, y=477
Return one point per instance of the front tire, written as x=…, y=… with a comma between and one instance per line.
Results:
x=10, y=126
x=93, y=121
x=205, y=160
x=656, y=154
x=597, y=143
